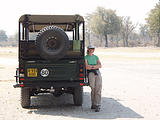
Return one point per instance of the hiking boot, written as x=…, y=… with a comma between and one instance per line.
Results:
x=93, y=107
x=97, y=109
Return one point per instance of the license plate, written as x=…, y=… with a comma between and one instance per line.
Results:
x=32, y=72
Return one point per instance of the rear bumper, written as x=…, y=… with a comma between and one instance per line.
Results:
x=50, y=84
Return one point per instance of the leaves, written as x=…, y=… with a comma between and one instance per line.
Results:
x=3, y=36
x=104, y=21
x=153, y=20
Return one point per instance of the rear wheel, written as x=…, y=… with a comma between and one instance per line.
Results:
x=25, y=97
x=78, y=96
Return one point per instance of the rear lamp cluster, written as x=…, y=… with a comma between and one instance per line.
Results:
x=21, y=75
x=81, y=75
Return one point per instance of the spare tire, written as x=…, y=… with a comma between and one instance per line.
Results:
x=52, y=43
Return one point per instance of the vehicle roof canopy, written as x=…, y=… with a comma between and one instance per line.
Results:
x=37, y=22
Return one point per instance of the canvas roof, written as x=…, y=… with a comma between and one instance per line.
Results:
x=52, y=18
x=37, y=22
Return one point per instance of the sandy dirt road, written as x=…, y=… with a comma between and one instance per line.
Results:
x=131, y=89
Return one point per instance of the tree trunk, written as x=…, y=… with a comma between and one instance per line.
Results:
x=117, y=41
x=101, y=40
x=106, y=38
x=124, y=43
x=126, y=40
x=89, y=38
x=158, y=44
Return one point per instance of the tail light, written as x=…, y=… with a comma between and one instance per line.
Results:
x=21, y=74
x=81, y=78
x=81, y=70
x=81, y=74
x=81, y=84
x=21, y=78
x=21, y=85
x=22, y=70
x=81, y=65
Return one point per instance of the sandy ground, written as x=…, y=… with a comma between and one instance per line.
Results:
x=131, y=89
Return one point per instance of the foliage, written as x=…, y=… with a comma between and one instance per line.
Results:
x=153, y=19
x=144, y=32
x=3, y=36
x=126, y=28
x=104, y=22
x=11, y=40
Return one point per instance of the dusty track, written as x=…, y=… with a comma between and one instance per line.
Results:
x=131, y=85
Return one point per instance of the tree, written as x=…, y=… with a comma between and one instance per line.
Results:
x=143, y=30
x=3, y=36
x=144, y=33
x=104, y=22
x=87, y=30
x=13, y=40
x=126, y=28
x=153, y=21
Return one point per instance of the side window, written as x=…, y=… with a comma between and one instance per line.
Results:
x=81, y=32
x=33, y=35
x=69, y=34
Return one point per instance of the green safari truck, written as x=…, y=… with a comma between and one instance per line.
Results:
x=51, y=56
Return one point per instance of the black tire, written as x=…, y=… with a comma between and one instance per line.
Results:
x=52, y=43
x=78, y=96
x=25, y=97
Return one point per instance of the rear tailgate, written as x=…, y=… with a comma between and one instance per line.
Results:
x=51, y=72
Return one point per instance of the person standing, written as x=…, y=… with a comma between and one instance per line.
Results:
x=93, y=64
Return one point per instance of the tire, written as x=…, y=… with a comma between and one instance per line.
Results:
x=52, y=43
x=78, y=96
x=25, y=97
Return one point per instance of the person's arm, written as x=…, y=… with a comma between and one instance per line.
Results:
x=88, y=67
x=99, y=65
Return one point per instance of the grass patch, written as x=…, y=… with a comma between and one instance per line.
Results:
x=129, y=54
x=130, y=49
x=8, y=52
x=1, y=67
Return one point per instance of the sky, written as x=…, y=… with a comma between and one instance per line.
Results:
x=11, y=10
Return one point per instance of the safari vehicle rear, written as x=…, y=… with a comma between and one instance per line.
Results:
x=51, y=56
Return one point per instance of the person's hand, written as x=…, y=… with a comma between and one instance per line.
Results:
x=89, y=67
x=94, y=67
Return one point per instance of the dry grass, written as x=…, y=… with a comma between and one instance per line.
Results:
x=133, y=54
x=130, y=49
x=8, y=52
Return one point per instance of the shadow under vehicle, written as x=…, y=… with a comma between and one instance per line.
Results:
x=51, y=56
